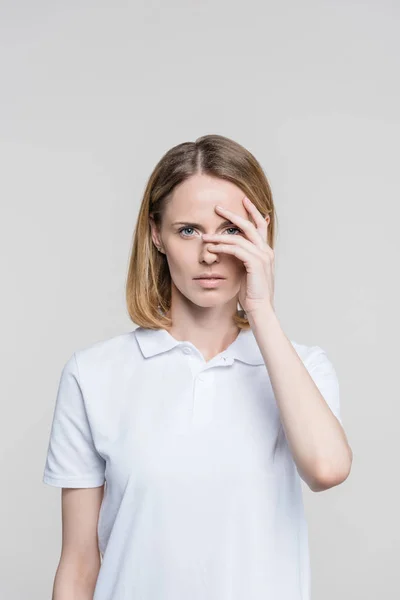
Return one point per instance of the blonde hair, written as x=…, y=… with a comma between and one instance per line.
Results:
x=148, y=283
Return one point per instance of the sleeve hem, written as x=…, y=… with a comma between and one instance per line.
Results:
x=74, y=482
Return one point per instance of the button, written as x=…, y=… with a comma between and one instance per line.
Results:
x=187, y=350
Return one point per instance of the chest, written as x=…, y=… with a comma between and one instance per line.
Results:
x=192, y=428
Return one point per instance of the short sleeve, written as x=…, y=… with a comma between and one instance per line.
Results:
x=72, y=459
x=325, y=377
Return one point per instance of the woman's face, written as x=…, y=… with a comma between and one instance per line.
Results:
x=189, y=213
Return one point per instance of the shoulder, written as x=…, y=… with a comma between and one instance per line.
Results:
x=106, y=354
x=310, y=355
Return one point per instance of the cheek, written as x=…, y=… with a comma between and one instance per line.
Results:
x=180, y=259
x=235, y=265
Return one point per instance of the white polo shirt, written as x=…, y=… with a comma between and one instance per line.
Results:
x=203, y=500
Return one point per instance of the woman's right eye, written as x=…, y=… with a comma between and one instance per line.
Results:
x=185, y=229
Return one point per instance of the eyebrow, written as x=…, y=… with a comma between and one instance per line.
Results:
x=198, y=226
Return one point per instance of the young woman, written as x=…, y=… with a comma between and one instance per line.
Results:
x=180, y=446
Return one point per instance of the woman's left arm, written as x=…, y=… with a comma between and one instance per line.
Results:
x=316, y=438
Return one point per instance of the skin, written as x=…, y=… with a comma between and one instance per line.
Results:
x=80, y=561
x=316, y=438
x=202, y=315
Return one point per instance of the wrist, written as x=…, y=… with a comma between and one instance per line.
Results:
x=261, y=314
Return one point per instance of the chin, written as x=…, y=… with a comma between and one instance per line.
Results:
x=210, y=298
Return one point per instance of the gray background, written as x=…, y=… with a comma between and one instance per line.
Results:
x=92, y=94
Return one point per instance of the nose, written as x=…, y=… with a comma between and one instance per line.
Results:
x=206, y=256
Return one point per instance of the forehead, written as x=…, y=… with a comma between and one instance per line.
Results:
x=197, y=197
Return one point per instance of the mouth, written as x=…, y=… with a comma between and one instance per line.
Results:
x=208, y=277
x=209, y=282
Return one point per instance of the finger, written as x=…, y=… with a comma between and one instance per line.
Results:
x=222, y=238
x=265, y=251
x=247, y=226
x=260, y=221
x=243, y=253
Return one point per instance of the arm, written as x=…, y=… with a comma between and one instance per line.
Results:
x=316, y=439
x=80, y=560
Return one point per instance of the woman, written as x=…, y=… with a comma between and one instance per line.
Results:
x=180, y=446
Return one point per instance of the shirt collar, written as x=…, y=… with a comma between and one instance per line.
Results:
x=156, y=341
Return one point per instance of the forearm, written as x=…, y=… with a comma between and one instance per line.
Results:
x=316, y=439
x=71, y=582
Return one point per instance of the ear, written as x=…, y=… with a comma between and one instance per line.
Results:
x=155, y=234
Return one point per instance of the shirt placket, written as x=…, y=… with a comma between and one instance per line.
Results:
x=203, y=385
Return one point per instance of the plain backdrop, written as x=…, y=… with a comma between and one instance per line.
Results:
x=92, y=94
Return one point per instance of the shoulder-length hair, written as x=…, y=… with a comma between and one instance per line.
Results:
x=148, y=283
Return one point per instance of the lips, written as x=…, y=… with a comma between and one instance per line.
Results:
x=210, y=282
x=209, y=277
